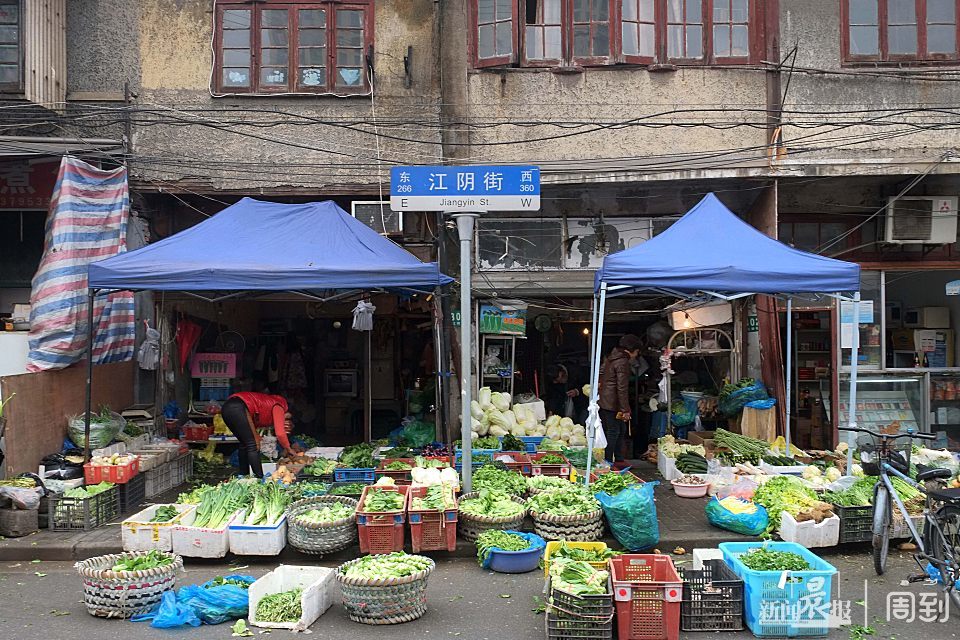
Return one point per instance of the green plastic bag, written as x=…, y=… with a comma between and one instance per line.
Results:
x=419, y=434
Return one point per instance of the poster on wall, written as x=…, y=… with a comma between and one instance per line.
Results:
x=846, y=320
x=503, y=320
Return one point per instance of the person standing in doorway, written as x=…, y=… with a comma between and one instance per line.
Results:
x=614, y=400
x=244, y=413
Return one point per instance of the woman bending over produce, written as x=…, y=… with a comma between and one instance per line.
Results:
x=244, y=413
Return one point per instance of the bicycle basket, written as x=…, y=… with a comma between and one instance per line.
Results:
x=868, y=461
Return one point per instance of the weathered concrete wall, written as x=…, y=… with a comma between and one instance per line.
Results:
x=843, y=92
x=102, y=45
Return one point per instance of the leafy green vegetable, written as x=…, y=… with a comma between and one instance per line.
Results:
x=88, y=491
x=348, y=489
x=398, y=452
x=577, y=577
x=388, y=565
x=308, y=489
x=493, y=504
x=398, y=465
x=220, y=581
x=584, y=555
x=490, y=477
x=860, y=494
x=222, y=501
x=165, y=513
x=380, y=500
x=194, y=495
x=547, y=483
x=269, y=502
x=496, y=539
x=487, y=442
x=331, y=512
x=784, y=493
x=281, y=607
x=761, y=559
x=563, y=503
x=149, y=560
x=613, y=483
x=512, y=443
x=426, y=463
x=320, y=467
x=749, y=449
x=358, y=456
x=552, y=458
x=437, y=498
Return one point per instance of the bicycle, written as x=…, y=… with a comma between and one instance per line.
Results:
x=939, y=545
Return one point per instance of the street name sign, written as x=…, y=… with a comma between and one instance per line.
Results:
x=465, y=188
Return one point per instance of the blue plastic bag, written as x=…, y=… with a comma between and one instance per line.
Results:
x=534, y=542
x=769, y=403
x=748, y=524
x=731, y=404
x=201, y=604
x=632, y=515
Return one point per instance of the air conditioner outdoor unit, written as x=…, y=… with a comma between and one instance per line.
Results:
x=377, y=215
x=921, y=220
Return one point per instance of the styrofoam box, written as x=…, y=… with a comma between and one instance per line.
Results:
x=200, y=542
x=702, y=555
x=139, y=534
x=667, y=467
x=319, y=593
x=148, y=460
x=810, y=534
x=119, y=447
x=257, y=540
x=775, y=470
x=269, y=467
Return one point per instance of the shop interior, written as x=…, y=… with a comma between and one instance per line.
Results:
x=309, y=353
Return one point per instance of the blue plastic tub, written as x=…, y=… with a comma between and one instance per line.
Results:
x=517, y=561
x=800, y=608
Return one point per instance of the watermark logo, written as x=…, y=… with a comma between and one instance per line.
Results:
x=906, y=606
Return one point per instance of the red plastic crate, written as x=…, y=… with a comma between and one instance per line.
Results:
x=115, y=473
x=381, y=531
x=431, y=530
x=198, y=433
x=523, y=465
x=549, y=469
x=400, y=477
x=648, y=593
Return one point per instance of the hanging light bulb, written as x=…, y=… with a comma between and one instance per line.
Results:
x=686, y=320
x=586, y=331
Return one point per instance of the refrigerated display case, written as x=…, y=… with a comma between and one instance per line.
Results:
x=885, y=400
x=944, y=399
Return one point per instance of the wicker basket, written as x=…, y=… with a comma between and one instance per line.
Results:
x=581, y=528
x=320, y=538
x=385, y=601
x=123, y=594
x=470, y=526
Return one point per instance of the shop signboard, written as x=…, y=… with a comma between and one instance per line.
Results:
x=465, y=188
x=27, y=185
x=494, y=319
x=455, y=317
x=213, y=365
x=753, y=324
x=846, y=320
x=953, y=288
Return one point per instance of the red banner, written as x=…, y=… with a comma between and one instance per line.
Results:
x=27, y=185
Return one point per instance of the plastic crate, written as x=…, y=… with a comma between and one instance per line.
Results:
x=712, y=598
x=319, y=593
x=572, y=616
x=115, y=473
x=856, y=523
x=458, y=457
x=553, y=545
x=400, y=477
x=158, y=479
x=801, y=607
x=538, y=469
x=335, y=485
x=257, y=540
x=355, y=475
x=530, y=443
x=432, y=530
x=900, y=530
x=566, y=628
x=181, y=469
x=647, y=592
x=522, y=464
x=381, y=531
x=131, y=495
x=83, y=514
x=139, y=534
x=197, y=432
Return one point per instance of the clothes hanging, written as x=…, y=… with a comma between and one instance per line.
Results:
x=363, y=316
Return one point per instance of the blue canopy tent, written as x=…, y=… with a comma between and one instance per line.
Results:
x=310, y=249
x=711, y=252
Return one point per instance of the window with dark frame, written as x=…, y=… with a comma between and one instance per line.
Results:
x=900, y=31
x=11, y=46
x=293, y=47
x=605, y=32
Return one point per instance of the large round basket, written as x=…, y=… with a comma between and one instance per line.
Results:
x=470, y=526
x=384, y=601
x=123, y=594
x=320, y=538
x=587, y=527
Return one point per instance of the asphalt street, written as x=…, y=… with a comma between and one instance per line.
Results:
x=43, y=600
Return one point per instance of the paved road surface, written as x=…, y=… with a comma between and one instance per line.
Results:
x=465, y=603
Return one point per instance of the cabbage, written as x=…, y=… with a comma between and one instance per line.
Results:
x=475, y=409
x=506, y=396
x=511, y=417
x=858, y=471
x=495, y=418
x=498, y=431
x=553, y=432
x=500, y=400
x=578, y=440
x=518, y=431
x=833, y=474
x=483, y=399
x=553, y=421
x=566, y=422
x=475, y=425
x=474, y=435
x=810, y=472
x=578, y=430
x=565, y=432
x=539, y=430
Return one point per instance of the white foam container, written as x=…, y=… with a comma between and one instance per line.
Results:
x=139, y=534
x=667, y=467
x=257, y=540
x=777, y=470
x=200, y=542
x=810, y=534
x=702, y=555
x=319, y=593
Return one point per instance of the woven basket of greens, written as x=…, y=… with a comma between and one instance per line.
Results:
x=126, y=584
x=385, y=588
x=322, y=524
x=480, y=511
x=566, y=515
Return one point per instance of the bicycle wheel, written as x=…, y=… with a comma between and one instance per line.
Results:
x=881, y=528
x=937, y=545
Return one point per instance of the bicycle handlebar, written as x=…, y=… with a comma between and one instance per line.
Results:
x=918, y=436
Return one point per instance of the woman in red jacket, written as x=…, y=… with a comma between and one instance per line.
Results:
x=244, y=413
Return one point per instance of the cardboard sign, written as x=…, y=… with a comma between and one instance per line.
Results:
x=213, y=365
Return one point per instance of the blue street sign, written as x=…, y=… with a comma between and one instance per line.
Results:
x=468, y=188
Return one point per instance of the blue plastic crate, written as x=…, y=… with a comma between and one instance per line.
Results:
x=530, y=442
x=475, y=452
x=801, y=608
x=355, y=475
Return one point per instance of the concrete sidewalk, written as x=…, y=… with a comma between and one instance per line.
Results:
x=683, y=523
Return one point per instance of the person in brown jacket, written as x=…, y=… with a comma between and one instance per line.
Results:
x=614, y=393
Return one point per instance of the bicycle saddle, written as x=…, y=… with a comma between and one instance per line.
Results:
x=933, y=473
x=946, y=495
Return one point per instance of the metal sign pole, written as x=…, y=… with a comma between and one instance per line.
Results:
x=465, y=224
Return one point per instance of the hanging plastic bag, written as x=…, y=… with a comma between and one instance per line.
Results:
x=206, y=603
x=632, y=515
x=745, y=517
x=149, y=354
x=363, y=316
x=419, y=434
x=23, y=498
x=732, y=403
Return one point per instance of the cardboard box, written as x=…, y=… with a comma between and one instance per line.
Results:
x=701, y=437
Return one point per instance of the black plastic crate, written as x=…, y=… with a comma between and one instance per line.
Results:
x=570, y=628
x=856, y=523
x=712, y=598
x=83, y=514
x=132, y=494
x=594, y=606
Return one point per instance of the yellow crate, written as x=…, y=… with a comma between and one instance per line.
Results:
x=553, y=545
